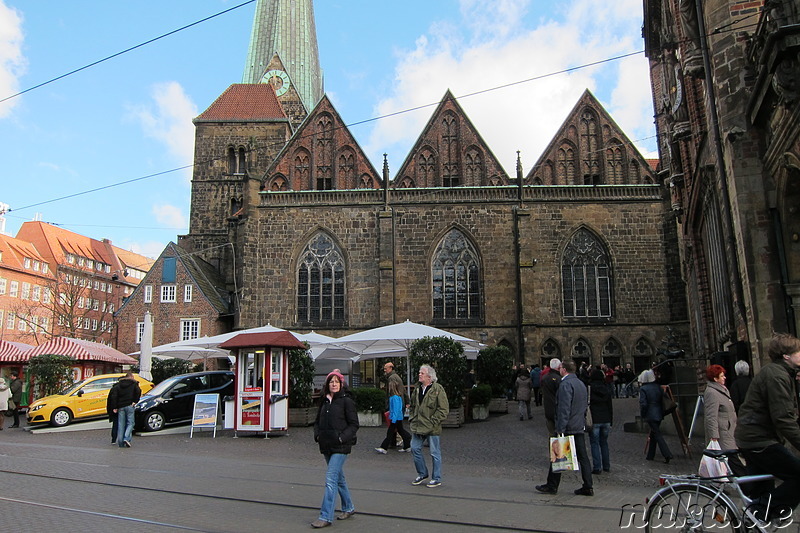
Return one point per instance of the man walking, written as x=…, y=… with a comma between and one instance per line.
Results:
x=16, y=396
x=571, y=403
x=550, y=382
x=767, y=418
x=121, y=399
x=429, y=408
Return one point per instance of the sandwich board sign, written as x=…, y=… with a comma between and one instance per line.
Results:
x=205, y=413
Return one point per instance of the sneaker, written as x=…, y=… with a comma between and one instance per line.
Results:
x=403, y=450
x=434, y=483
x=380, y=450
x=127, y=443
x=418, y=480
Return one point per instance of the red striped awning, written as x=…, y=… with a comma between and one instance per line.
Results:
x=13, y=351
x=81, y=350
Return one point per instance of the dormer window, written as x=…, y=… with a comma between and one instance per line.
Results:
x=27, y=262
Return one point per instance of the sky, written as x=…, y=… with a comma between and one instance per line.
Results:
x=123, y=130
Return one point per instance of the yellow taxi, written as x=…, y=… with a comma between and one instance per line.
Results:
x=84, y=399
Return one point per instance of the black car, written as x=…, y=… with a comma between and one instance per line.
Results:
x=172, y=400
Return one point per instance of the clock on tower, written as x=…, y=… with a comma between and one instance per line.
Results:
x=279, y=80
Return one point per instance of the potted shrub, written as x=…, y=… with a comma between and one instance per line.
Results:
x=495, y=367
x=301, y=386
x=479, y=398
x=447, y=357
x=370, y=403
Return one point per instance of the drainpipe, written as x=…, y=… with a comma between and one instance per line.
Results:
x=518, y=261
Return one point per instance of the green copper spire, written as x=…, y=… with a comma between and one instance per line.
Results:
x=286, y=27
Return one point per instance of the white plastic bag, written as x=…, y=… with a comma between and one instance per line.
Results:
x=710, y=467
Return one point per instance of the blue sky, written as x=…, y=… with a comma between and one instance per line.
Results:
x=130, y=117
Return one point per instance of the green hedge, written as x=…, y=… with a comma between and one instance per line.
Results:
x=480, y=395
x=370, y=399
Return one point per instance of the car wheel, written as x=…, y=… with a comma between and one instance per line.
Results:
x=154, y=421
x=61, y=417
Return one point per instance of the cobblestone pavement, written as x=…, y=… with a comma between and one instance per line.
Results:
x=77, y=481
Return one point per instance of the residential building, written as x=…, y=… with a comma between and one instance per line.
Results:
x=88, y=281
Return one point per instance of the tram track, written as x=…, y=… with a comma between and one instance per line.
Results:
x=397, y=518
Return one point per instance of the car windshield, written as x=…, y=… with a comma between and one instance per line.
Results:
x=159, y=389
x=72, y=388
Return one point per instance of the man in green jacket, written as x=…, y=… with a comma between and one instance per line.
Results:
x=767, y=418
x=429, y=408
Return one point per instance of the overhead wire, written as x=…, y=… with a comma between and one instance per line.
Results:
x=349, y=125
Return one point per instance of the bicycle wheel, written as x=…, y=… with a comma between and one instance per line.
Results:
x=691, y=508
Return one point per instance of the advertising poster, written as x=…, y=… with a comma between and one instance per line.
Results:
x=206, y=412
x=251, y=411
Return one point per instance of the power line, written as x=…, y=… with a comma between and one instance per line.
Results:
x=70, y=73
x=350, y=125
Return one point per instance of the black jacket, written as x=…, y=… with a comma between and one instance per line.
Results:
x=124, y=392
x=600, y=403
x=336, y=424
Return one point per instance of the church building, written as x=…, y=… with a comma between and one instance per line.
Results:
x=575, y=258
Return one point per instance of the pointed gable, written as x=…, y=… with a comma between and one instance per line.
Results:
x=590, y=149
x=244, y=103
x=321, y=155
x=450, y=153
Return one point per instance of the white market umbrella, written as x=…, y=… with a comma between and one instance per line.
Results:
x=146, y=353
x=392, y=341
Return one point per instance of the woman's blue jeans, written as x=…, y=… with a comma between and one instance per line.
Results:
x=599, y=441
x=335, y=483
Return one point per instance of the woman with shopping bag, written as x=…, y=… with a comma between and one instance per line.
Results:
x=720, y=423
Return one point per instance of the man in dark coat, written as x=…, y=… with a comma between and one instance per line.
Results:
x=16, y=395
x=550, y=382
x=768, y=418
x=121, y=399
x=571, y=403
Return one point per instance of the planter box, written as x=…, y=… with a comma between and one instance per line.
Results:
x=480, y=412
x=302, y=416
x=455, y=419
x=498, y=405
x=370, y=419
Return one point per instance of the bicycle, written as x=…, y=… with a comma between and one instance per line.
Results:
x=691, y=503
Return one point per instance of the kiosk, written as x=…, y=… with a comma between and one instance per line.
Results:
x=262, y=379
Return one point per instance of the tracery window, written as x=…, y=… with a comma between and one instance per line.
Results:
x=321, y=282
x=456, y=279
x=586, y=277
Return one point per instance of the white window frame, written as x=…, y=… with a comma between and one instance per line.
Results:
x=13, y=289
x=187, y=292
x=168, y=293
x=189, y=327
x=148, y=294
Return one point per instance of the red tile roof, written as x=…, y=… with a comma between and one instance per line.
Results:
x=653, y=164
x=273, y=338
x=245, y=102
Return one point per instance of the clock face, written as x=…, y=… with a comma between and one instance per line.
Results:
x=279, y=80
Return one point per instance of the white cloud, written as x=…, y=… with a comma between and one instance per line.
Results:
x=170, y=216
x=168, y=119
x=12, y=61
x=523, y=116
x=151, y=249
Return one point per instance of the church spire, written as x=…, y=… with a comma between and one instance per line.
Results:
x=286, y=27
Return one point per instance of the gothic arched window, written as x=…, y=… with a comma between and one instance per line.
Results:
x=456, y=279
x=586, y=277
x=320, y=282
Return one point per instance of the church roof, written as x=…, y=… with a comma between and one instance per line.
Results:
x=244, y=102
